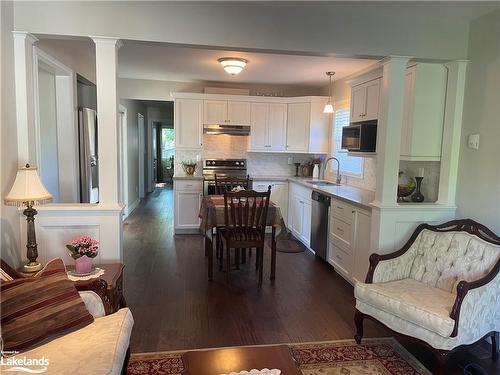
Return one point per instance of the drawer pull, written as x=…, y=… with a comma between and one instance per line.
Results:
x=189, y=185
x=340, y=229
x=338, y=257
x=340, y=208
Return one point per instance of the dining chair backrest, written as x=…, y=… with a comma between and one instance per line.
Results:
x=246, y=210
x=223, y=184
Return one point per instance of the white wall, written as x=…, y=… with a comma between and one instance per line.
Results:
x=79, y=55
x=133, y=108
x=351, y=28
x=478, y=191
x=9, y=216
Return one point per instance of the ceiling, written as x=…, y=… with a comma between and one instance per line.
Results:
x=172, y=63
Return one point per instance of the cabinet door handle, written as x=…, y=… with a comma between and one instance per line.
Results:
x=338, y=257
x=189, y=185
x=340, y=229
x=340, y=208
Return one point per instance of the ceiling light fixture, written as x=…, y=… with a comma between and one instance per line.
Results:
x=329, y=105
x=233, y=65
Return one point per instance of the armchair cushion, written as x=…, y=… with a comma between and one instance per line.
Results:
x=93, y=303
x=413, y=301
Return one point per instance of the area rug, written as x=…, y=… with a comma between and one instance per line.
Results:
x=287, y=243
x=384, y=356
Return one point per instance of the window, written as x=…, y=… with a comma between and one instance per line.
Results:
x=349, y=165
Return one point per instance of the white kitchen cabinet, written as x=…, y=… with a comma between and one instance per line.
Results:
x=308, y=128
x=268, y=127
x=365, y=99
x=215, y=112
x=279, y=194
x=349, y=240
x=238, y=113
x=297, y=138
x=188, y=123
x=223, y=112
x=423, y=112
x=299, y=212
x=187, y=200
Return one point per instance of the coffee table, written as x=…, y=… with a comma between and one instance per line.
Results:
x=223, y=361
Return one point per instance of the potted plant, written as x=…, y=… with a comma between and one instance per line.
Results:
x=83, y=249
x=189, y=167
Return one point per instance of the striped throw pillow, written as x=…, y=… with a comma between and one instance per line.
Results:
x=35, y=308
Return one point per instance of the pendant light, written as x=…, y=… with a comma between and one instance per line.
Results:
x=329, y=105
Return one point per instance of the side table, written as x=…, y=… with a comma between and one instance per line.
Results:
x=113, y=275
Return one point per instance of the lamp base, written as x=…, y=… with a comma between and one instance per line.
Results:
x=32, y=267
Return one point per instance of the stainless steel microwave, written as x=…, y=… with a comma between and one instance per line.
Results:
x=360, y=136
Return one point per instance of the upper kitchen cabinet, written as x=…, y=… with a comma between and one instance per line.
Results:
x=365, y=101
x=423, y=112
x=308, y=128
x=188, y=123
x=225, y=112
x=268, y=122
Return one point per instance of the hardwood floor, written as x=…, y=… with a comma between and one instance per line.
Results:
x=176, y=308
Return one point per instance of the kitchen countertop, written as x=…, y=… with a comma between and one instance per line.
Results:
x=347, y=193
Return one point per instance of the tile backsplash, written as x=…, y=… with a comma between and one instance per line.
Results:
x=235, y=147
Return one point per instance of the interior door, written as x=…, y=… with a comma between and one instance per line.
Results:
x=277, y=126
x=297, y=135
x=259, y=134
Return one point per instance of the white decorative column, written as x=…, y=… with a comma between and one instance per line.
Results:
x=25, y=107
x=452, y=131
x=106, y=54
x=390, y=121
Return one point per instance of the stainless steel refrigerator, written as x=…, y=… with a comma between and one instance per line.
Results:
x=89, y=161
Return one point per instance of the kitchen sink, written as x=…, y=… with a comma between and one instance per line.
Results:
x=321, y=183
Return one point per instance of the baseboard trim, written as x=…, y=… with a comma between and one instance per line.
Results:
x=133, y=206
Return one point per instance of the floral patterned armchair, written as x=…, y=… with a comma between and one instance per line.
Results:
x=442, y=288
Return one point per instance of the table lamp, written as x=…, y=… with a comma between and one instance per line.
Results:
x=28, y=191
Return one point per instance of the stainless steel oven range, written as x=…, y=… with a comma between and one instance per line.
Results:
x=223, y=168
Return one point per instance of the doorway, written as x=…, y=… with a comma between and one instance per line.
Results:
x=165, y=150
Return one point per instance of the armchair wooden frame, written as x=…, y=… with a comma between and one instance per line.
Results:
x=463, y=287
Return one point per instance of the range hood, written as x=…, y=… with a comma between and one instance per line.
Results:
x=227, y=129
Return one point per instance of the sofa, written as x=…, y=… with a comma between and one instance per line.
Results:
x=442, y=288
x=100, y=348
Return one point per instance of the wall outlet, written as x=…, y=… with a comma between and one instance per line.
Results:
x=290, y=160
x=473, y=141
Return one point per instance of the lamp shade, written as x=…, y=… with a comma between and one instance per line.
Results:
x=27, y=187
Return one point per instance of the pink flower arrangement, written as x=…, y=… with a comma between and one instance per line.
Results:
x=83, y=245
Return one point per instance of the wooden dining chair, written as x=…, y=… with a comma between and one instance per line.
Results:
x=223, y=184
x=245, y=218
x=229, y=183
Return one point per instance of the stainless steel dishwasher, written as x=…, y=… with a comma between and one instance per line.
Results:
x=319, y=224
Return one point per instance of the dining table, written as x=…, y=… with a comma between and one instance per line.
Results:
x=212, y=217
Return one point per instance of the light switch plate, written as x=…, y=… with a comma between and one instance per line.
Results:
x=473, y=141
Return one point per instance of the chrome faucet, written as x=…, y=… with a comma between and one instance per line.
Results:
x=339, y=176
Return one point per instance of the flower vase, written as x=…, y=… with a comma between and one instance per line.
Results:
x=83, y=264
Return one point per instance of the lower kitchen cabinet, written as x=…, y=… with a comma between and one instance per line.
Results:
x=349, y=240
x=279, y=194
x=187, y=200
x=299, y=212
